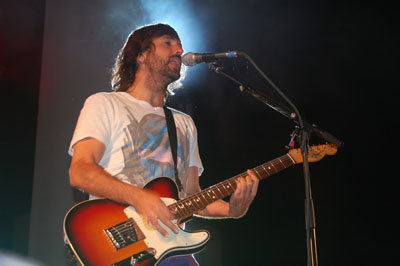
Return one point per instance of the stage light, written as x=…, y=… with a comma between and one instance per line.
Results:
x=181, y=16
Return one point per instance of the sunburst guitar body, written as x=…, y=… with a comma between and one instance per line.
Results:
x=103, y=232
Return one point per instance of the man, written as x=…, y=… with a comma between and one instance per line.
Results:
x=121, y=143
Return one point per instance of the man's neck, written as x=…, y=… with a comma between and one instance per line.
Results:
x=148, y=90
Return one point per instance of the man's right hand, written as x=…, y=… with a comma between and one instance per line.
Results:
x=153, y=209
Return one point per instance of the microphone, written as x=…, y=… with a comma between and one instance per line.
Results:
x=191, y=59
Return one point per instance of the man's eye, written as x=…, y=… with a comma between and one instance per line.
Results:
x=168, y=43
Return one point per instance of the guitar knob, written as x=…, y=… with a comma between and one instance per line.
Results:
x=141, y=256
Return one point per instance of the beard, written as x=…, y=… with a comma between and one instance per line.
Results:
x=161, y=70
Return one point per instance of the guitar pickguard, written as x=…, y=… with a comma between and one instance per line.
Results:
x=175, y=242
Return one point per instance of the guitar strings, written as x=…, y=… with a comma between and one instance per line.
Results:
x=196, y=198
x=187, y=205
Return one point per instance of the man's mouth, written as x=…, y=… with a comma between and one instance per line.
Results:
x=175, y=60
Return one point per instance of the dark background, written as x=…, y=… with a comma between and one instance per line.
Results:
x=335, y=61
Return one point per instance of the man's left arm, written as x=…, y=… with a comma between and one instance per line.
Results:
x=239, y=202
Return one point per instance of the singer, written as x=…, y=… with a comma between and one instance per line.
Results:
x=122, y=144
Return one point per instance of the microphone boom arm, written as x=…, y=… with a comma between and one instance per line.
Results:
x=279, y=107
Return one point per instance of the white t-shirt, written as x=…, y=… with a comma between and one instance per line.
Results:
x=136, y=138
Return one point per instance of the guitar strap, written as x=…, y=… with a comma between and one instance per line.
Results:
x=173, y=142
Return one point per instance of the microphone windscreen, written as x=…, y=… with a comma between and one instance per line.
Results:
x=189, y=59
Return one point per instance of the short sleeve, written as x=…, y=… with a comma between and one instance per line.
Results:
x=194, y=156
x=94, y=121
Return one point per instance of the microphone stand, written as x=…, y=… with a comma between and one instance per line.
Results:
x=305, y=128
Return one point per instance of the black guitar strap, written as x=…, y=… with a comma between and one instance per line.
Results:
x=173, y=142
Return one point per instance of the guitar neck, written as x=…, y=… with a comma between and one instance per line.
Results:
x=198, y=201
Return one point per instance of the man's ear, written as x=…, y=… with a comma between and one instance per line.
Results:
x=140, y=58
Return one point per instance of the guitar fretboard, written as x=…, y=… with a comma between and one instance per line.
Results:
x=198, y=201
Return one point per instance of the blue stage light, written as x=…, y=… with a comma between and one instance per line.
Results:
x=181, y=16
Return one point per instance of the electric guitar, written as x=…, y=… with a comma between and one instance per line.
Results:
x=103, y=232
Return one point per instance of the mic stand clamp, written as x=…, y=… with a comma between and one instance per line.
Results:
x=214, y=67
x=293, y=137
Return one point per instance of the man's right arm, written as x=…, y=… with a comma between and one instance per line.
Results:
x=86, y=174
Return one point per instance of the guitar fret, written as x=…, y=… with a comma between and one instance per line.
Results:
x=202, y=201
x=276, y=170
x=256, y=172
x=192, y=207
x=284, y=161
x=278, y=166
x=215, y=196
x=211, y=197
x=196, y=201
x=266, y=171
x=270, y=168
x=177, y=210
x=289, y=161
x=225, y=188
x=203, y=194
x=187, y=205
x=220, y=192
x=186, y=208
x=281, y=163
x=202, y=204
x=183, y=209
x=261, y=172
x=232, y=187
x=228, y=187
x=193, y=204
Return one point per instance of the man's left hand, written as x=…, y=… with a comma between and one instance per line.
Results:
x=244, y=195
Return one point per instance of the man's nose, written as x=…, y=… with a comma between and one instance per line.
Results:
x=179, y=50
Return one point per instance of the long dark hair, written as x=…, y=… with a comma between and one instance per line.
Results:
x=139, y=41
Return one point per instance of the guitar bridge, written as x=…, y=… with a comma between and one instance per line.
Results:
x=124, y=234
